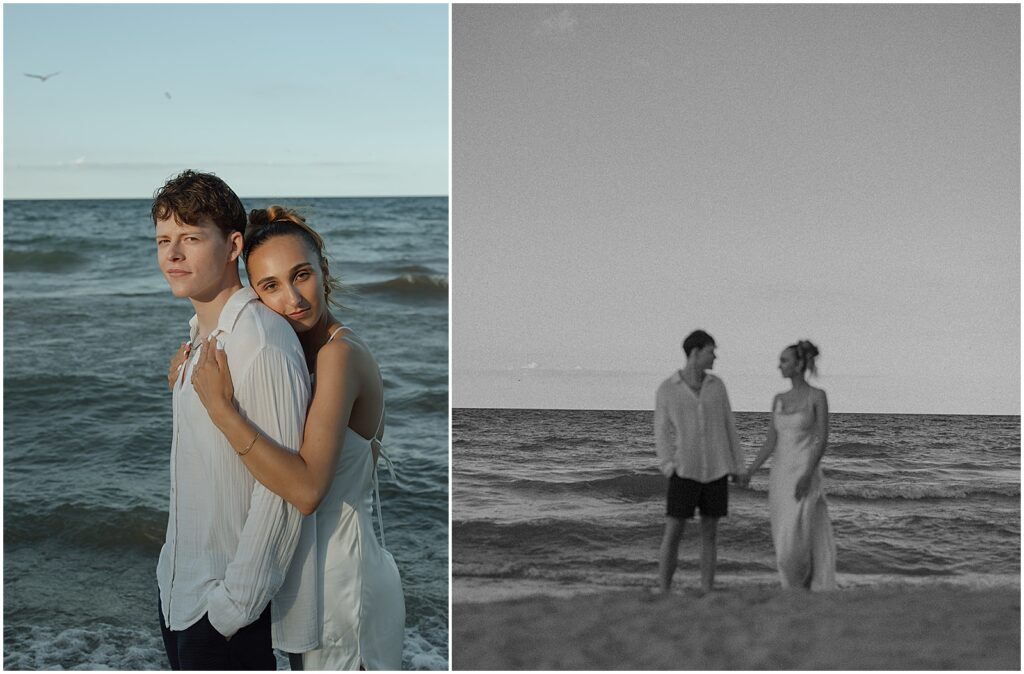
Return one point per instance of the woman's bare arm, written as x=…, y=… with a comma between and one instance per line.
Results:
x=819, y=404
x=302, y=478
x=766, y=449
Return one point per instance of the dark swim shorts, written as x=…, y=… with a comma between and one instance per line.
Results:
x=685, y=496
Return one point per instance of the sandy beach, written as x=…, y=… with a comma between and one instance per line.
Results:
x=886, y=627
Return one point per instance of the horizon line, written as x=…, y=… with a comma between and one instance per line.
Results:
x=350, y=196
x=642, y=409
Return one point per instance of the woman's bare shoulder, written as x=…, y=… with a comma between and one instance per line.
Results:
x=344, y=356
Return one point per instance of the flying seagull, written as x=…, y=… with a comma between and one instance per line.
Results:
x=42, y=78
x=167, y=94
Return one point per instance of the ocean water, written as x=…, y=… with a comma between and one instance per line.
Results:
x=89, y=327
x=561, y=502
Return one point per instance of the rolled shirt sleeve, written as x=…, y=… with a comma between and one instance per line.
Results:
x=273, y=394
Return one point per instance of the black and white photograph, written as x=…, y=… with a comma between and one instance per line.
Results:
x=735, y=337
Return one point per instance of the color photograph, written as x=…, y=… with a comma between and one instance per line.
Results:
x=226, y=337
x=753, y=264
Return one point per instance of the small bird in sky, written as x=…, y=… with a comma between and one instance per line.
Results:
x=42, y=78
x=167, y=94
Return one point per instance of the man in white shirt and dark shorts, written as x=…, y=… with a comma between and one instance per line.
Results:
x=698, y=449
x=229, y=540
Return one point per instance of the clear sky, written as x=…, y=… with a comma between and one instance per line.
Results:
x=848, y=174
x=279, y=100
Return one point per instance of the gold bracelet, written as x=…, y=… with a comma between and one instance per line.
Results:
x=251, y=444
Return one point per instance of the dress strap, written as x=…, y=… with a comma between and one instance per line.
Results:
x=375, y=443
x=376, y=488
x=337, y=330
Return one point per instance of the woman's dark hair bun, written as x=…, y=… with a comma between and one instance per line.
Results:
x=806, y=352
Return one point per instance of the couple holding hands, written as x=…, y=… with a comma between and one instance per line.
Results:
x=698, y=449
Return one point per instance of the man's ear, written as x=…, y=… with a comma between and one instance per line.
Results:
x=237, y=242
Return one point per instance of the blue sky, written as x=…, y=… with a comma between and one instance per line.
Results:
x=279, y=100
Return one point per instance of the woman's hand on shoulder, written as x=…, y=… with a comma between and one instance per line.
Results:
x=211, y=378
x=178, y=360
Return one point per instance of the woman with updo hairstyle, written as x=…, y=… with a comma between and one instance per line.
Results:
x=805, y=551
x=342, y=577
x=805, y=353
x=266, y=223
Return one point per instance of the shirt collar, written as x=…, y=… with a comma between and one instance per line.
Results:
x=677, y=376
x=228, y=314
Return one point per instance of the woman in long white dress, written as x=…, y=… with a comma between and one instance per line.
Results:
x=805, y=551
x=360, y=609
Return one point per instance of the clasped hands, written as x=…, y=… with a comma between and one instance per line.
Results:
x=741, y=479
x=803, y=485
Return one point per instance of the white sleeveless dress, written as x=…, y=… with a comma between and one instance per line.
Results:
x=361, y=605
x=801, y=530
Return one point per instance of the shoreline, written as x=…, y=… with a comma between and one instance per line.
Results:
x=880, y=627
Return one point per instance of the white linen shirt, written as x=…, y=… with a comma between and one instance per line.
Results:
x=230, y=541
x=695, y=435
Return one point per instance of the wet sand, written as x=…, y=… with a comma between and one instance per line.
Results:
x=890, y=627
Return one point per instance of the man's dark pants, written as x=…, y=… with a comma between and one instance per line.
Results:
x=200, y=646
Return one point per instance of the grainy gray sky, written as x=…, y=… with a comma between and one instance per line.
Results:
x=849, y=174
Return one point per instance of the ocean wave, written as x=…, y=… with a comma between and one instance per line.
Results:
x=141, y=292
x=525, y=570
x=419, y=653
x=880, y=491
x=68, y=380
x=540, y=443
x=542, y=534
x=488, y=570
x=429, y=401
x=633, y=487
x=857, y=448
x=98, y=646
x=413, y=269
x=43, y=261
x=910, y=491
x=964, y=465
x=410, y=285
x=101, y=646
x=584, y=571
x=28, y=216
x=838, y=483
x=940, y=523
x=85, y=525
